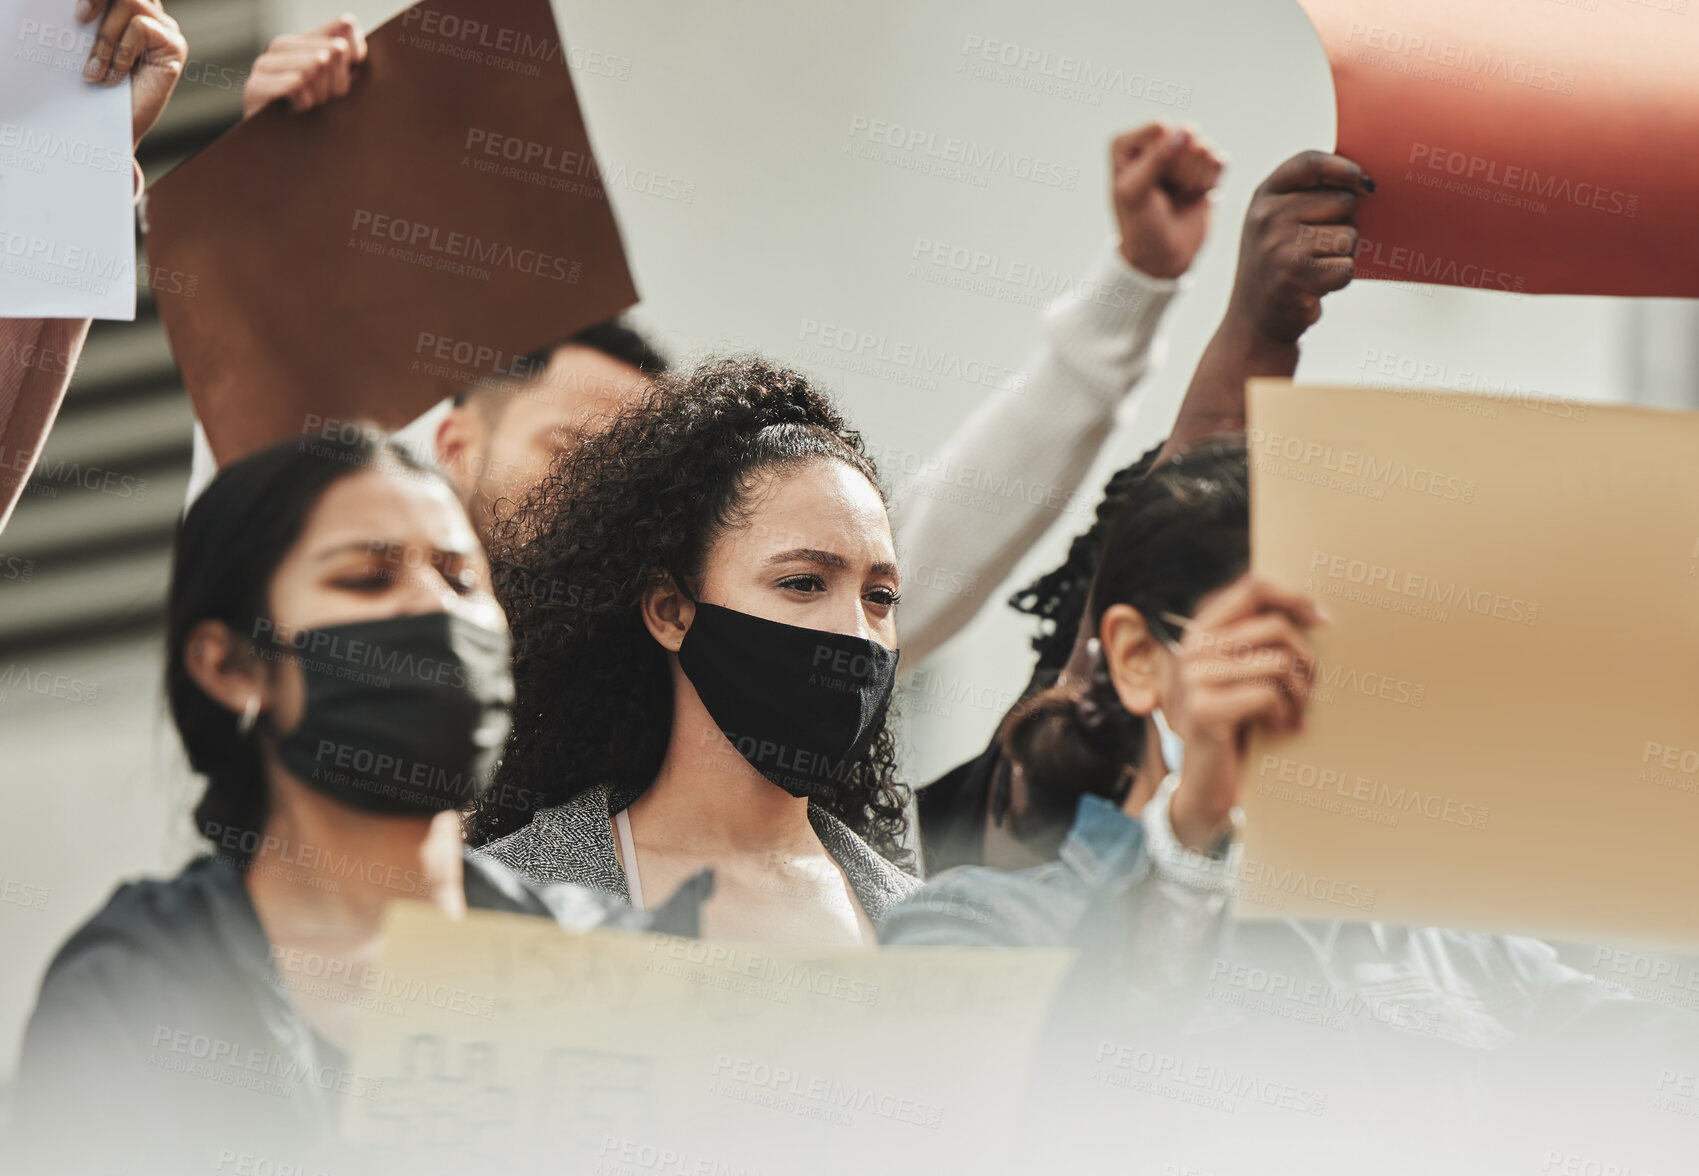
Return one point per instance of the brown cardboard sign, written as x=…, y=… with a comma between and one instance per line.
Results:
x=368, y=258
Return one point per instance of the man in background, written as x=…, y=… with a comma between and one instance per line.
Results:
x=500, y=436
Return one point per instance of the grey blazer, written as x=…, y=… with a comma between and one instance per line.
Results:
x=573, y=842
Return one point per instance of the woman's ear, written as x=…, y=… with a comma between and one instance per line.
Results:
x=225, y=667
x=1132, y=655
x=667, y=612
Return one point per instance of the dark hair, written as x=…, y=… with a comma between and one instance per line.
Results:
x=648, y=497
x=1176, y=534
x=1058, y=597
x=614, y=338
x=229, y=545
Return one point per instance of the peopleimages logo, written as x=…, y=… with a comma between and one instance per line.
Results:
x=488, y=361
x=975, y=485
x=65, y=150
x=738, y=1076
x=1272, y=886
x=953, y=149
x=1246, y=982
x=1397, y=800
x=784, y=975
x=23, y=249
x=24, y=894
x=479, y=34
x=849, y=667
x=1483, y=392
x=247, y=844
x=841, y=346
x=381, y=774
x=416, y=235
x=1410, y=50
x=55, y=45
x=981, y=271
x=1073, y=71
x=47, y=684
x=1354, y=463
x=222, y=1060
x=1377, y=257
x=1475, y=169
x=350, y=657
x=251, y=1164
x=797, y=765
x=561, y=169
x=1446, y=594
x=296, y=966
x=1117, y=1063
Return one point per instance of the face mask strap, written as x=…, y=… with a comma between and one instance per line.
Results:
x=1166, y=740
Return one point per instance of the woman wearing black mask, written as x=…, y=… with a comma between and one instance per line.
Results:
x=703, y=600
x=338, y=671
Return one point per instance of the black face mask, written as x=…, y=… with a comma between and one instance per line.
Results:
x=405, y=715
x=801, y=705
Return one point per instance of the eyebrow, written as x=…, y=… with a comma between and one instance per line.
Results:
x=826, y=559
x=382, y=547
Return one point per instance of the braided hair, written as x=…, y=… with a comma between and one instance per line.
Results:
x=648, y=497
x=1175, y=535
x=1058, y=598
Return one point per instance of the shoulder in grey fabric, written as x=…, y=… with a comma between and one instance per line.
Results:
x=573, y=842
x=569, y=842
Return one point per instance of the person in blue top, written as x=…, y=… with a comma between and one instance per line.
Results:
x=1322, y=1037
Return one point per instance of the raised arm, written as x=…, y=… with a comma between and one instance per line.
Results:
x=306, y=69
x=1015, y=465
x=134, y=40
x=1298, y=245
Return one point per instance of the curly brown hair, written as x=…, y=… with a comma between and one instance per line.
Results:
x=647, y=498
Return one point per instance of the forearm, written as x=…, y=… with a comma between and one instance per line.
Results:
x=37, y=357
x=1143, y=912
x=1215, y=399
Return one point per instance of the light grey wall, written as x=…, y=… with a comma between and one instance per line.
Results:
x=752, y=104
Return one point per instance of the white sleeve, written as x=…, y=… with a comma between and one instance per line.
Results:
x=1181, y=909
x=1013, y=467
x=1204, y=880
x=202, y=468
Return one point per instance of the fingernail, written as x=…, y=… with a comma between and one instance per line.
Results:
x=85, y=11
x=1326, y=617
x=1368, y=184
x=92, y=69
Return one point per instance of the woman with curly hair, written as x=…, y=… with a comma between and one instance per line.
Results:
x=703, y=602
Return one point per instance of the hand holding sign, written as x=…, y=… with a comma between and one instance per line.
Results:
x=1497, y=134
x=136, y=39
